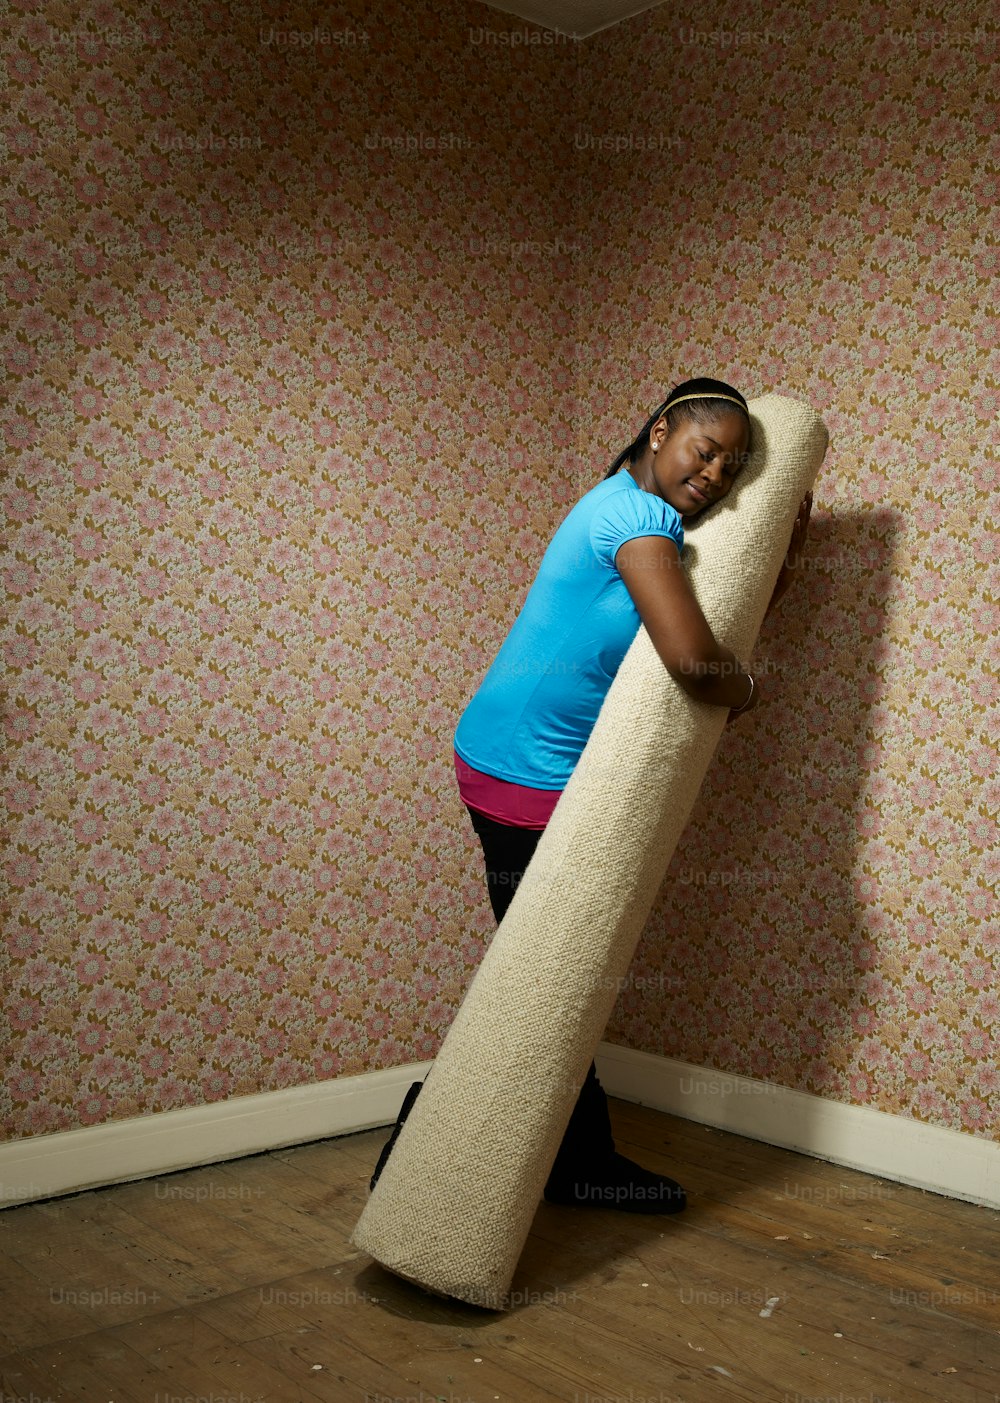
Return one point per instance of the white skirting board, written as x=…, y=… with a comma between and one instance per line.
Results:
x=906, y=1151
x=42, y=1166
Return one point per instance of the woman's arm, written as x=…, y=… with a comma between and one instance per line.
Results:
x=680, y=633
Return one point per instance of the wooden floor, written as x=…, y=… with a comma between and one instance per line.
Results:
x=787, y=1280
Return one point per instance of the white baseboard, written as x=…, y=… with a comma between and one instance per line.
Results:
x=906, y=1151
x=889, y=1147
x=42, y=1166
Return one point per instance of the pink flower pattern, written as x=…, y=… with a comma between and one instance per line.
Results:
x=288, y=429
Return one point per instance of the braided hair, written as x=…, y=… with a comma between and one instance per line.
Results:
x=703, y=410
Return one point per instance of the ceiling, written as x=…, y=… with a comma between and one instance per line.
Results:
x=575, y=17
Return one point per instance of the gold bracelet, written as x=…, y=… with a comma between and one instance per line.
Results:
x=749, y=697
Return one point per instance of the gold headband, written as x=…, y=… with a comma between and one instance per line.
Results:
x=704, y=394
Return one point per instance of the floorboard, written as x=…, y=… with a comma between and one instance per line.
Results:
x=787, y=1280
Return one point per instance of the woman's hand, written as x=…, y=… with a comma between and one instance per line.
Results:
x=793, y=555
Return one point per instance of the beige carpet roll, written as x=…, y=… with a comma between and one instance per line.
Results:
x=455, y=1201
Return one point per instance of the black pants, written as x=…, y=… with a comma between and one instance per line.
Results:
x=507, y=851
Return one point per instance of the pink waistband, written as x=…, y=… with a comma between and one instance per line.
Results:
x=517, y=804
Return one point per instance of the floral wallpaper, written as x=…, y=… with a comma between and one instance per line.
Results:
x=829, y=919
x=316, y=323
x=287, y=356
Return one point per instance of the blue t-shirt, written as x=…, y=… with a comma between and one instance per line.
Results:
x=536, y=707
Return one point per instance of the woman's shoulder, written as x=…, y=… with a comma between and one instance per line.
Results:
x=618, y=504
x=632, y=500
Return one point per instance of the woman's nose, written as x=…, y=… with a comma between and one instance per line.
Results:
x=713, y=471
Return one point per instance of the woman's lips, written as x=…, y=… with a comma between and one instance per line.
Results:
x=698, y=495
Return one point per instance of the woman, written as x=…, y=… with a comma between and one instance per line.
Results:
x=613, y=563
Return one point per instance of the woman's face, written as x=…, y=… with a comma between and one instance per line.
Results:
x=696, y=465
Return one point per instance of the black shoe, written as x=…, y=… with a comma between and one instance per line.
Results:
x=404, y=1111
x=589, y=1172
x=617, y=1182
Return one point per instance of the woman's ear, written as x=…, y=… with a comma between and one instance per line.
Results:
x=659, y=431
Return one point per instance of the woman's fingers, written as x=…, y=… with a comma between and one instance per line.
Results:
x=799, y=529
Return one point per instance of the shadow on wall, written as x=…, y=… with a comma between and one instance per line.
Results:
x=757, y=959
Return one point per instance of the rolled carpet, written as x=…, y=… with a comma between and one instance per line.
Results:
x=456, y=1198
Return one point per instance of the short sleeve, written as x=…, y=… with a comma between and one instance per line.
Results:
x=628, y=514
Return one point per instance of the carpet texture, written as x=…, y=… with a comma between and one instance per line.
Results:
x=456, y=1199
